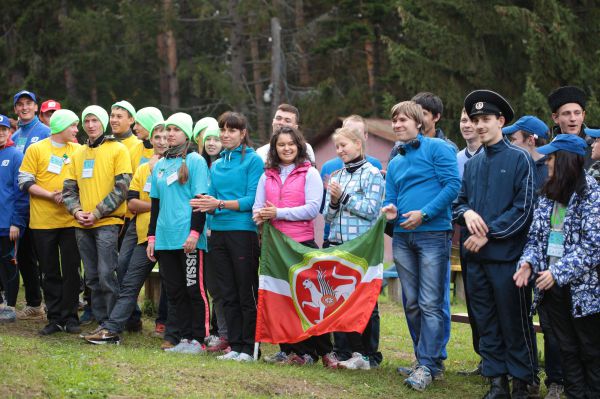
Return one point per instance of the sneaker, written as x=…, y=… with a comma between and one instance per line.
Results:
x=244, y=357
x=94, y=331
x=220, y=345
x=8, y=315
x=87, y=317
x=50, y=329
x=356, y=362
x=278, y=358
x=210, y=340
x=475, y=371
x=297, y=360
x=554, y=391
x=72, y=327
x=180, y=347
x=406, y=371
x=193, y=348
x=330, y=360
x=32, y=313
x=166, y=344
x=159, y=329
x=103, y=337
x=134, y=326
x=233, y=355
x=419, y=379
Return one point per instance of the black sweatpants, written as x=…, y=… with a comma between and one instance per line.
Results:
x=463, y=268
x=579, y=340
x=9, y=272
x=59, y=263
x=28, y=265
x=237, y=253
x=183, y=276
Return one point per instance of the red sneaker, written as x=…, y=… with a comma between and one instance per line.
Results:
x=218, y=346
x=330, y=360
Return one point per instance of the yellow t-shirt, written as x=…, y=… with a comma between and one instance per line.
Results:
x=130, y=142
x=142, y=180
x=140, y=155
x=95, y=169
x=48, y=163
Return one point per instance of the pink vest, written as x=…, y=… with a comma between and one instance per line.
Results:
x=289, y=195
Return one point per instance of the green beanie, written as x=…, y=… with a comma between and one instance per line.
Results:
x=203, y=124
x=98, y=112
x=148, y=116
x=62, y=119
x=211, y=131
x=125, y=105
x=183, y=121
x=155, y=125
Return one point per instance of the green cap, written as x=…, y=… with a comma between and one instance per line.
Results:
x=183, y=121
x=203, y=124
x=125, y=105
x=155, y=125
x=148, y=116
x=211, y=131
x=62, y=119
x=98, y=112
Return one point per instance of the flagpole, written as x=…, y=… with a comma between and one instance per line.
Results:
x=256, y=344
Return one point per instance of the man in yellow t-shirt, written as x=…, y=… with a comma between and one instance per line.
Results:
x=138, y=201
x=42, y=174
x=94, y=192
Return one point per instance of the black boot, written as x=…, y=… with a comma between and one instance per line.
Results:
x=498, y=388
x=519, y=389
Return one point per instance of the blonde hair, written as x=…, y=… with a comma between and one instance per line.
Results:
x=352, y=135
x=411, y=109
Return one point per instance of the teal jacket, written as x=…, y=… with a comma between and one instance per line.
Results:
x=235, y=177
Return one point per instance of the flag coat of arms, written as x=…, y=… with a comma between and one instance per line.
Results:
x=306, y=291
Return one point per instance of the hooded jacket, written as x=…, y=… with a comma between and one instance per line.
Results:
x=15, y=203
x=235, y=177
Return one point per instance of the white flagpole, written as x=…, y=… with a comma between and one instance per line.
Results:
x=256, y=344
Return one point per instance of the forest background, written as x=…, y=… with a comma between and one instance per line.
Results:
x=329, y=58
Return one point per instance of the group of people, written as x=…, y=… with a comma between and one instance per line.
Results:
x=193, y=197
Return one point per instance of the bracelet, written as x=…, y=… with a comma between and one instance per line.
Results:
x=151, y=239
x=194, y=234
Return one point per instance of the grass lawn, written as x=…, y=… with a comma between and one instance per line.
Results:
x=63, y=365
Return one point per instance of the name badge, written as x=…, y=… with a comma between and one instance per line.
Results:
x=171, y=178
x=556, y=244
x=148, y=185
x=88, y=169
x=20, y=144
x=55, y=165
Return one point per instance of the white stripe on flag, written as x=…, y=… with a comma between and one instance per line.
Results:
x=373, y=272
x=275, y=285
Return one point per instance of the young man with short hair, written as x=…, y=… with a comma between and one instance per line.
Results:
x=496, y=204
x=94, y=192
x=42, y=175
x=286, y=115
x=471, y=138
x=30, y=130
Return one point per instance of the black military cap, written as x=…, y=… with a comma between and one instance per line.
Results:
x=487, y=102
x=565, y=95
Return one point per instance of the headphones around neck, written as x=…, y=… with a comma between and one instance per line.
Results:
x=414, y=143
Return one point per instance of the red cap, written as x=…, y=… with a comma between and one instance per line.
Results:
x=50, y=105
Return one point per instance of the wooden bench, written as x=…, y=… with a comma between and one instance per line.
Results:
x=464, y=318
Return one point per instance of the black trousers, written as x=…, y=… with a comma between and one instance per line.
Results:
x=183, y=276
x=9, y=272
x=463, y=268
x=579, y=344
x=237, y=253
x=59, y=263
x=30, y=272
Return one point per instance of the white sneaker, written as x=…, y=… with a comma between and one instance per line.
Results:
x=420, y=379
x=193, y=347
x=211, y=340
x=233, y=355
x=181, y=347
x=244, y=357
x=356, y=362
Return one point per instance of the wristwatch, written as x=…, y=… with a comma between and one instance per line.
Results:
x=425, y=216
x=221, y=205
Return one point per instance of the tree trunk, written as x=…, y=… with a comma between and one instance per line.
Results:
x=276, y=64
x=258, y=91
x=162, y=71
x=70, y=84
x=171, y=53
x=304, y=76
x=370, y=51
x=236, y=39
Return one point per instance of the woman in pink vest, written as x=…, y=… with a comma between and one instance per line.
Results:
x=289, y=194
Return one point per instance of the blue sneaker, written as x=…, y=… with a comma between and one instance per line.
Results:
x=420, y=379
x=7, y=314
x=87, y=317
x=278, y=358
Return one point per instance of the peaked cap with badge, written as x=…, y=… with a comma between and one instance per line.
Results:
x=487, y=102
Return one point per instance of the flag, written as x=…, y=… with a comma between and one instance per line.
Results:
x=305, y=291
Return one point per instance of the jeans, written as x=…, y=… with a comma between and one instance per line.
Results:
x=137, y=272
x=98, y=249
x=422, y=261
x=128, y=245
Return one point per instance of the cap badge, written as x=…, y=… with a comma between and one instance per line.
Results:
x=479, y=105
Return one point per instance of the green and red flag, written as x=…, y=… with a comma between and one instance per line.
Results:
x=305, y=291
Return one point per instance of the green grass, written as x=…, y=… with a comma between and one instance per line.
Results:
x=63, y=365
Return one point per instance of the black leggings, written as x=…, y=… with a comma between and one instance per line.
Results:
x=9, y=273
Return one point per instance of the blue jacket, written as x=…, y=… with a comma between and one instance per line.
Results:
x=235, y=178
x=541, y=173
x=439, y=134
x=29, y=133
x=426, y=179
x=15, y=203
x=499, y=184
x=579, y=268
